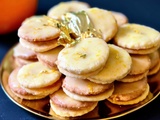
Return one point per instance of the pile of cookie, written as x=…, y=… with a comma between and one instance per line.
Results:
x=112, y=67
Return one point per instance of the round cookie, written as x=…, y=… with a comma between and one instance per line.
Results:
x=40, y=46
x=16, y=88
x=104, y=21
x=154, y=57
x=63, y=7
x=140, y=64
x=85, y=87
x=137, y=37
x=24, y=53
x=65, y=106
x=117, y=66
x=36, y=75
x=120, y=18
x=130, y=93
x=87, y=56
x=38, y=28
x=49, y=57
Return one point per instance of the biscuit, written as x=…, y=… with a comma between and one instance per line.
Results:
x=39, y=46
x=120, y=18
x=85, y=87
x=140, y=98
x=65, y=106
x=98, y=97
x=45, y=91
x=38, y=28
x=103, y=21
x=20, y=62
x=21, y=52
x=49, y=57
x=87, y=56
x=140, y=64
x=154, y=70
x=16, y=88
x=154, y=57
x=133, y=78
x=129, y=93
x=117, y=66
x=36, y=75
x=137, y=37
x=63, y=7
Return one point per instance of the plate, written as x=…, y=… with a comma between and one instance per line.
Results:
x=104, y=110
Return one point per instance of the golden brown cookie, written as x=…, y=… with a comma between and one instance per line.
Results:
x=65, y=106
x=137, y=39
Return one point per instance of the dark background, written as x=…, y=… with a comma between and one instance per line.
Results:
x=146, y=12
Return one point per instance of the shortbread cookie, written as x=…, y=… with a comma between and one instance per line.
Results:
x=117, y=66
x=24, y=53
x=102, y=96
x=36, y=75
x=133, y=78
x=84, y=86
x=45, y=91
x=142, y=51
x=120, y=18
x=20, y=62
x=38, y=28
x=39, y=46
x=103, y=21
x=154, y=57
x=155, y=69
x=140, y=64
x=137, y=37
x=130, y=93
x=65, y=106
x=49, y=57
x=16, y=88
x=87, y=56
x=63, y=7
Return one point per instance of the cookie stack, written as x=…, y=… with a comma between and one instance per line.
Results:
x=142, y=43
x=113, y=66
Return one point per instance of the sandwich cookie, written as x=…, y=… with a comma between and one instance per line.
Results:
x=155, y=63
x=117, y=66
x=64, y=106
x=103, y=21
x=60, y=9
x=49, y=58
x=137, y=39
x=129, y=93
x=23, y=55
x=16, y=88
x=86, y=57
x=139, y=69
x=120, y=18
x=85, y=90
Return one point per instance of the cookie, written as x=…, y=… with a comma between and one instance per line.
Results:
x=39, y=46
x=120, y=17
x=117, y=66
x=85, y=87
x=154, y=57
x=38, y=28
x=36, y=75
x=130, y=93
x=65, y=106
x=154, y=70
x=87, y=56
x=16, y=88
x=140, y=64
x=63, y=7
x=24, y=53
x=49, y=57
x=103, y=21
x=136, y=37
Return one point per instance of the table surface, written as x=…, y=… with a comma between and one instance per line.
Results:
x=144, y=12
